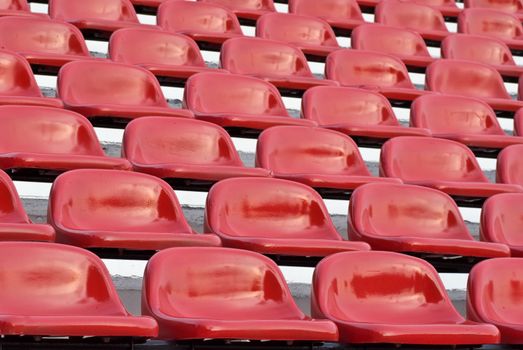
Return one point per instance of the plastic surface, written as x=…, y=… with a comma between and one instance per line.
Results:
x=57, y=290
x=250, y=9
x=413, y=219
x=509, y=168
x=340, y=14
x=385, y=297
x=17, y=8
x=518, y=123
x=510, y=6
x=229, y=294
x=273, y=216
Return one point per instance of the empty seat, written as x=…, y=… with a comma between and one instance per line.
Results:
x=222, y=293
x=448, y=8
x=518, y=122
x=249, y=10
x=94, y=208
x=241, y=104
x=312, y=35
x=187, y=153
x=57, y=290
x=510, y=6
x=281, y=64
x=386, y=297
x=324, y=159
x=509, y=168
x=17, y=8
x=273, y=216
x=445, y=165
x=113, y=93
x=364, y=115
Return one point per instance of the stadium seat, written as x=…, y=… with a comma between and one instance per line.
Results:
x=171, y=57
x=312, y=35
x=518, y=123
x=464, y=119
x=281, y=64
x=448, y=166
x=364, y=115
x=15, y=225
x=223, y=293
x=101, y=209
x=208, y=24
x=150, y=6
x=111, y=93
x=390, y=298
x=54, y=290
x=493, y=295
x=326, y=160
x=186, y=153
x=510, y=6
x=520, y=89
x=342, y=15
x=274, y=217
x=509, y=168
x=248, y=10
x=242, y=105
x=448, y=8
x=18, y=8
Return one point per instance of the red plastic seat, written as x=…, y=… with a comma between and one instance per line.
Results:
x=312, y=35
x=362, y=114
x=113, y=93
x=464, y=119
x=448, y=8
x=222, y=293
x=509, y=168
x=94, y=208
x=208, y=24
x=321, y=158
x=57, y=290
x=273, y=216
x=520, y=89
x=250, y=10
x=518, y=122
x=386, y=297
x=239, y=103
x=414, y=219
x=442, y=164
x=281, y=64
x=183, y=150
x=510, y=6
x=17, y=8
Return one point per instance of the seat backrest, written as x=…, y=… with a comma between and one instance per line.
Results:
x=159, y=140
x=510, y=6
x=108, y=10
x=387, y=39
x=435, y=3
x=409, y=15
x=502, y=219
x=332, y=105
x=450, y=114
x=518, y=122
x=477, y=48
x=367, y=68
x=442, y=160
x=509, y=167
x=258, y=5
x=465, y=78
x=392, y=210
x=380, y=287
x=149, y=46
x=113, y=200
x=16, y=5
x=308, y=150
x=327, y=9
x=48, y=279
x=100, y=82
x=16, y=76
x=223, y=93
x=216, y=283
x=263, y=57
x=11, y=208
x=296, y=29
x=489, y=22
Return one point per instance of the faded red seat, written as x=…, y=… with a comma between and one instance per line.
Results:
x=386, y=297
x=249, y=10
x=281, y=64
x=222, y=293
x=54, y=290
x=275, y=217
x=442, y=164
x=509, y=168
x=518, y=123
x=18, y=8
x=510, y=6
x=113, y=93
x=364, y=115
x=312, y=35
x=520, y=89
x=326, y=160
x=448, y=8
x=243, y=105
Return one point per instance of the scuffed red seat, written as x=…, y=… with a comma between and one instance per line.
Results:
x=446, y=165
x=391, y=298
x=111, y=93
x=274, y=217
x=248, y=10
x=281, y=64
x=54, y=290
x=187, y=153
x=97, y=209
x=310, y=34
x=15, y=225
x=18, y=8
x=364, y=115
x=464, y=119
x=509, y=167
x=326, y=160
x=223, y=293
x=243, y=105
x=510, y=6
x=208, y=24
x=171, y=57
